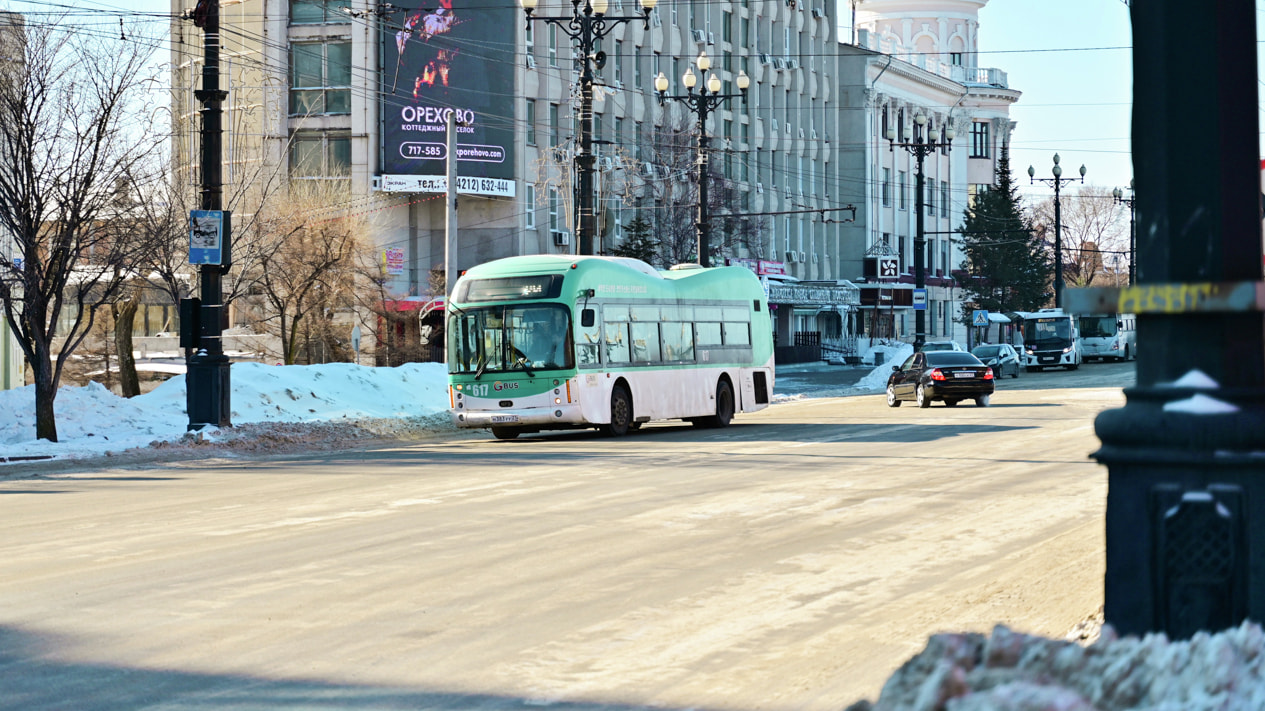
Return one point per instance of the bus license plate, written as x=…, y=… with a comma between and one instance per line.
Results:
x=504, y=418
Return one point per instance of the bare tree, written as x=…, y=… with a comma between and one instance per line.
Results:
x=74, y=105
x=1092, y=233
x=307, y=266
x=673, y=193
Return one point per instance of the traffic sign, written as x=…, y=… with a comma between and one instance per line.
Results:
x=920, y=299
x=979, y=317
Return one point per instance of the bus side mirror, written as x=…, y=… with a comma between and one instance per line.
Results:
x=587, y=318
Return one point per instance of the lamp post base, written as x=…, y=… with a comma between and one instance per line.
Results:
x=208, y=388
x=1186, y=497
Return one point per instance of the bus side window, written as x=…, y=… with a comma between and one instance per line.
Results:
x=645, y=341
x=678, y=341
x=616, y=335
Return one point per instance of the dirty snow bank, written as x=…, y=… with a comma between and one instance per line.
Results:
x=1008, y=671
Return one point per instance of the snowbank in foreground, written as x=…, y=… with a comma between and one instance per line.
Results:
x=1006, y=671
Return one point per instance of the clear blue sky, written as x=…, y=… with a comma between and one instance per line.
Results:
x=1072, y=61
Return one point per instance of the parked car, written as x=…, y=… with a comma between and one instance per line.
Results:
x=948, y=376
x=1001, y=357
x=943, y=346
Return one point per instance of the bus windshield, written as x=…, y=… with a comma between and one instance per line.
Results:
x=1047, y=332
x=514, y=337
x=1098, y=326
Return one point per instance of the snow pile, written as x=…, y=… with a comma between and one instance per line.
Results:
x=293, y=401
x=1007, y=671
x=876, y=380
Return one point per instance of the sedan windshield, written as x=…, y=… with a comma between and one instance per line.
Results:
x=522, y=338
x=987, y=351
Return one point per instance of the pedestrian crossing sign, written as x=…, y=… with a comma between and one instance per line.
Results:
x=979, y=317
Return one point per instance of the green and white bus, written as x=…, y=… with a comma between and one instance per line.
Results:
x=563, y=342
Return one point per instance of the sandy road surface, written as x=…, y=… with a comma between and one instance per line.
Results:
x=792, y=561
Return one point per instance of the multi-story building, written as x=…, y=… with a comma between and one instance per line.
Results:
x=357, y=95
x=909, y=59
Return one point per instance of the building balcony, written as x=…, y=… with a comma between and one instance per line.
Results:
x=968, y=76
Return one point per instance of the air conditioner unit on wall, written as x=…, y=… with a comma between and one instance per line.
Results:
x=779, y=63
x=814, y=257
x=561, y=239
x=711, y=38
x=759, y=188
x=654, y=19
x=818, y=13
x=607, y=163
x=647, y=169
x=792, y=64
x=766, y=59
x=803, y=257
x=792, y=257
x=699, y=36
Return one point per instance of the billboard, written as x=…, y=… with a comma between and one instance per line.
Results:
x=446, y=58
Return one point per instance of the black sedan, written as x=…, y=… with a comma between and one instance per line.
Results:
x=949, y=376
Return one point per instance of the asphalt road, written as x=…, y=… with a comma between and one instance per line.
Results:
x=791, y=561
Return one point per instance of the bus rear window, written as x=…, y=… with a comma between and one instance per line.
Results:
x=541, y=286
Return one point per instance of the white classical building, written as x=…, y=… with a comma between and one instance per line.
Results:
x=914, y=58
x=355, y=94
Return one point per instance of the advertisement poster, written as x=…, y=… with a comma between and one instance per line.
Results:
x=450, y=57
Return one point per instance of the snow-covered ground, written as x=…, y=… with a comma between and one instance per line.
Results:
x=92, y=421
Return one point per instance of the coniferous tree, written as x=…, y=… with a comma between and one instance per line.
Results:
x=639, y=242
x=1008, y=268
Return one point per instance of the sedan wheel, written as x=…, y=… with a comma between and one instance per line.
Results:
x=891, y=397
x=982, y=401
x=923, y=401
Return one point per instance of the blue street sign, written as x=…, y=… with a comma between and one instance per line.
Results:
x=920, y=299
x=979, y=317
x=207, y=236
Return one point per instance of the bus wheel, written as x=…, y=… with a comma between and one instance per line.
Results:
x=505, y=432
x=1127, y=357
x=621, y=413
x=724, y=405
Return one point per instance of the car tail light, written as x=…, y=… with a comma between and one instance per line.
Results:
x=988, y=374
x=937, y=375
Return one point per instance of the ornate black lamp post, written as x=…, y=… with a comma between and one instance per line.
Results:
x=920, y=140
x=1057, y=181
x=587, y=25
x=1117, y=195
x=702, y=104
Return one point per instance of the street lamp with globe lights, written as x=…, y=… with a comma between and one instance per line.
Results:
x=702, y=103
x=920, y=140
x=587, y=25
x=1057, y=181
x=1117, y=195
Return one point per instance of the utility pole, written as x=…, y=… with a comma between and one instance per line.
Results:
x=207, y=385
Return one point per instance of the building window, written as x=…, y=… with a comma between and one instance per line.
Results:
x=319, y=12
x=531, y=206
x=320, y=78
x=944, y=198
x=554, y=137
x=902, y=199
x=531, y=122
x=979, y=140
x=553, y=46
x=316, y=155
x=955, y=58
x=930, y=187
x=887, y=187
x=553, y=211
x=617, y=71
x=974, y=192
